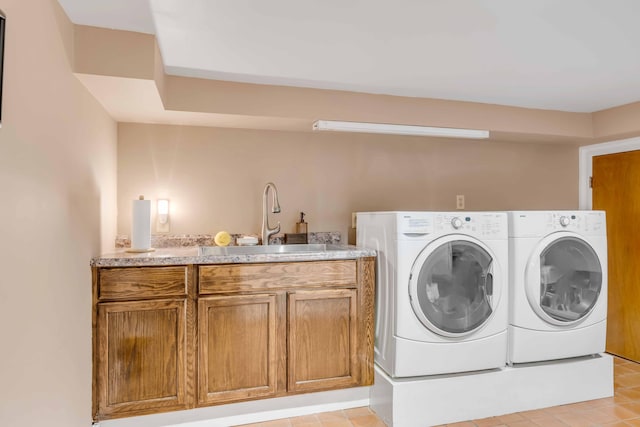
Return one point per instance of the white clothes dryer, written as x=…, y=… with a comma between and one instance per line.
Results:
x=558, y=284
x=441, y=294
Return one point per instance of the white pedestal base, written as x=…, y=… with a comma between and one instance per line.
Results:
x=442, y=399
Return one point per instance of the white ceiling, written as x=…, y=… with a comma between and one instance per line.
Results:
x=570, y=55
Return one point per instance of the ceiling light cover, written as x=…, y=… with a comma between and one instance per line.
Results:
x=385, y=128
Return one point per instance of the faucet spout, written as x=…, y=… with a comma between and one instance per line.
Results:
x=275, y=208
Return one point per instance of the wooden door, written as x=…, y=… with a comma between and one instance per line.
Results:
x=237, y=348
x=141, y=357
x=322, y=348
x=616, y=190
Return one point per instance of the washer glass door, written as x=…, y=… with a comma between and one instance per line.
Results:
x=451, y=286
x=564, y=279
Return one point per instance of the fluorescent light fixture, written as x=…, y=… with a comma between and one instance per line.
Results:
x=385, y=128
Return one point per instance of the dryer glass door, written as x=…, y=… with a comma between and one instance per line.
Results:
x=453, y=290
x=570, y=280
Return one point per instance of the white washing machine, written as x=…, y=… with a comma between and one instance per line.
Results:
x=441, y=294
x=558, y=284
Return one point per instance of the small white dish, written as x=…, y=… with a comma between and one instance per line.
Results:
x=247, y=241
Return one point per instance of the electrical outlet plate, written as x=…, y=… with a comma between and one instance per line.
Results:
x=353, y=219
x=162, y=228
x=460, y=201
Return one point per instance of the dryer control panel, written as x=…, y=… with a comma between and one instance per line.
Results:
x=487, y=225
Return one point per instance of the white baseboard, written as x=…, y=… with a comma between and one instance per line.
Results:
x=255, y=411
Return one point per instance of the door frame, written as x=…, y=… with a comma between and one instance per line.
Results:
x=585, y=168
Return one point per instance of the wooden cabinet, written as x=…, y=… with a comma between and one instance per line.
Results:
x=237, y=352
x=141, y=353
x=323, y=337
x=322, y=330
x=141, y=345
x=169, y=338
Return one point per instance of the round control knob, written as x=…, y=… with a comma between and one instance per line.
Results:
x=456, y=223
x=564, y=221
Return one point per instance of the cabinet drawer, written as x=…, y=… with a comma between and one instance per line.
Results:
x=258, y=277
x=141, y=282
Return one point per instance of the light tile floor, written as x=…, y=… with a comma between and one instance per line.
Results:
x=621, y=410
x=358, y=417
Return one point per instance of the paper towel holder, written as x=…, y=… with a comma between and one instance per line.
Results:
x=141, y=226
x=162, y=215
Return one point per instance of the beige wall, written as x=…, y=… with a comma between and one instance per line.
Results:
x=115, y=66
x=122, y=53
x=617, y=122
x=215, y=177
x=57, y=181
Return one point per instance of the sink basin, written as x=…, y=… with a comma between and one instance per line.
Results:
x=270, y=249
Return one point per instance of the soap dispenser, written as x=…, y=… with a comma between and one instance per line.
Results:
x=301, y=227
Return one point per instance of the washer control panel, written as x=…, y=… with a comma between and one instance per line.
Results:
x=580, y=221
x=415, y=224
x=456, y=223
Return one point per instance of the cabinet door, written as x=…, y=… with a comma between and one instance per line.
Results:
x=237, y=347
x=141, y=357
x=322, y=340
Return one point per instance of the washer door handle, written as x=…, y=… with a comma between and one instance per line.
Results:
x=488, y=284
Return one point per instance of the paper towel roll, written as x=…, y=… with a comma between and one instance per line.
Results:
x=141, y=225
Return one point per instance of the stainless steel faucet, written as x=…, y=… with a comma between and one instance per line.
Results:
x=275, y=208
